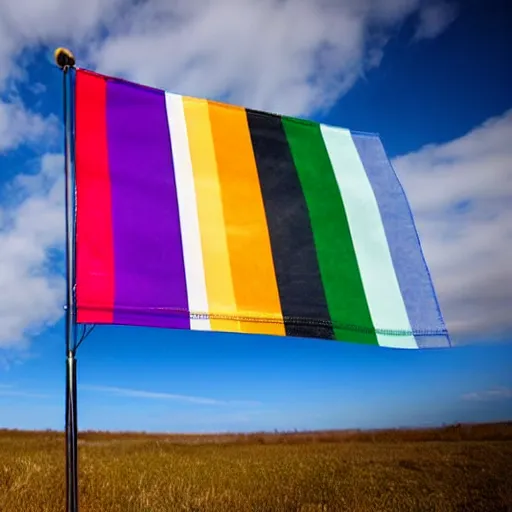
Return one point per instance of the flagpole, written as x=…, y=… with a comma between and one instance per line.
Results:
x=66, y=62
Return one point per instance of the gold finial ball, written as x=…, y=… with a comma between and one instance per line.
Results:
x=64, y=58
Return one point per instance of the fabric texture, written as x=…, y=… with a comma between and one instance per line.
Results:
x=194, y=214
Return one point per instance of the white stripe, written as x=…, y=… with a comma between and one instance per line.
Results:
x=380, y=283
x=189, y=221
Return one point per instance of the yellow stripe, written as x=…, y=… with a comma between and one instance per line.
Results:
x=219, y=285
x=252, y=266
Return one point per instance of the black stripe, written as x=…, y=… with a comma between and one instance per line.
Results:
x=293, y=248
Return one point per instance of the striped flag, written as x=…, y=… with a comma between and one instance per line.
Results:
x=194, y=214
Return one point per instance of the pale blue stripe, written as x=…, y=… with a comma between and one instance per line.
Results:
x=411, y=270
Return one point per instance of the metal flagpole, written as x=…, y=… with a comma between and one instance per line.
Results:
x=66, y=61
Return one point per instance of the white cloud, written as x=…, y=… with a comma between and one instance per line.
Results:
x=292, y=56
x=18, y=125
x=434, y=18
x=26, y=25
x=461, y=195
x=136, y=393
x=499, y=393
x=32, y=227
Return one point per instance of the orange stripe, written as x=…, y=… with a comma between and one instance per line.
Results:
x=219, y=286
x=252, y=266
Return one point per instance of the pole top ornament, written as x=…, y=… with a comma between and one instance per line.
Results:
x=64, y=58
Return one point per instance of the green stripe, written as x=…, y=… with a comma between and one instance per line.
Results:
x=342, y=282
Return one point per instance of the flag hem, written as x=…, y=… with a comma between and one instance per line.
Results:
x=261, y=319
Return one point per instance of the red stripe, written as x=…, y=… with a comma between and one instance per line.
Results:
x=94, y=242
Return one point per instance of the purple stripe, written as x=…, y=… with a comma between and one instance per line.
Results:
x=148, y=254
x=411, y=269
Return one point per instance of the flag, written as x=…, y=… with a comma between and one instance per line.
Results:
x=199, y=215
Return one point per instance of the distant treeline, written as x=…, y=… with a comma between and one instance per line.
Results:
x=457, y=432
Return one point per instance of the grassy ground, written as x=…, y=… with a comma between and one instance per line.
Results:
x=461, y=469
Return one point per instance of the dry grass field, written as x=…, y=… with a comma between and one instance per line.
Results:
x=459, y=468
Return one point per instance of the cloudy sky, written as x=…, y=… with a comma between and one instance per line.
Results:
x=431, y=77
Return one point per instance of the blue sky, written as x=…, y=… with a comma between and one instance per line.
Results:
x=432, y=79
